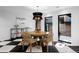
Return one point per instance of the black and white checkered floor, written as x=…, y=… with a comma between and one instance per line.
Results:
x=12, y=46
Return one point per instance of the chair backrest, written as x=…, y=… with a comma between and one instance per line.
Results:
x=26, y=36
x=47, y=38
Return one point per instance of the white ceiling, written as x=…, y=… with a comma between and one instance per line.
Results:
x=46, y=9
x=31, y=9
x=34, y=8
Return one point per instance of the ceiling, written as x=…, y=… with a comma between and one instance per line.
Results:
x=31, y=9
x=46, y=9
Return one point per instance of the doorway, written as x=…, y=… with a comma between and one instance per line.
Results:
x=48, y=25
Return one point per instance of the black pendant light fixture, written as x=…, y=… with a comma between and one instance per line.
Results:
x=37, y=16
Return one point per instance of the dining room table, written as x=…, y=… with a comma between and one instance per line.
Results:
x=37, y=36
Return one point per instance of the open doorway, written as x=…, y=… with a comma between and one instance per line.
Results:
x=64, y=28
x=49, y=25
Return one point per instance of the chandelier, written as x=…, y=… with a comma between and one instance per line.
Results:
x=37, y=16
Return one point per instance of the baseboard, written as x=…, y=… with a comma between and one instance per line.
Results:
x=64, y=41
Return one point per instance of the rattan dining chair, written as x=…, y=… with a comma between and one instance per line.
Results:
x=27, y=40
x=47, y=39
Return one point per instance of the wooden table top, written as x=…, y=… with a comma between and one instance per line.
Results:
x=38, y=33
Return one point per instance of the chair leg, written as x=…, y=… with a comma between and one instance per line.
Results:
x=22, y=47
x=30, y=47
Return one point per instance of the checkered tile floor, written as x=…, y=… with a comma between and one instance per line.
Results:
x=12, y=46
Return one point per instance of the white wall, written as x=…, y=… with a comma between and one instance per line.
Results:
x=7, y=20
x=75, y=26
x=74, y=23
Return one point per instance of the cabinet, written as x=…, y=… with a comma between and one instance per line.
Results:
x=16, y=32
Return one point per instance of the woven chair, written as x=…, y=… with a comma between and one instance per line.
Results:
x=27, y=40
x=47, y=39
